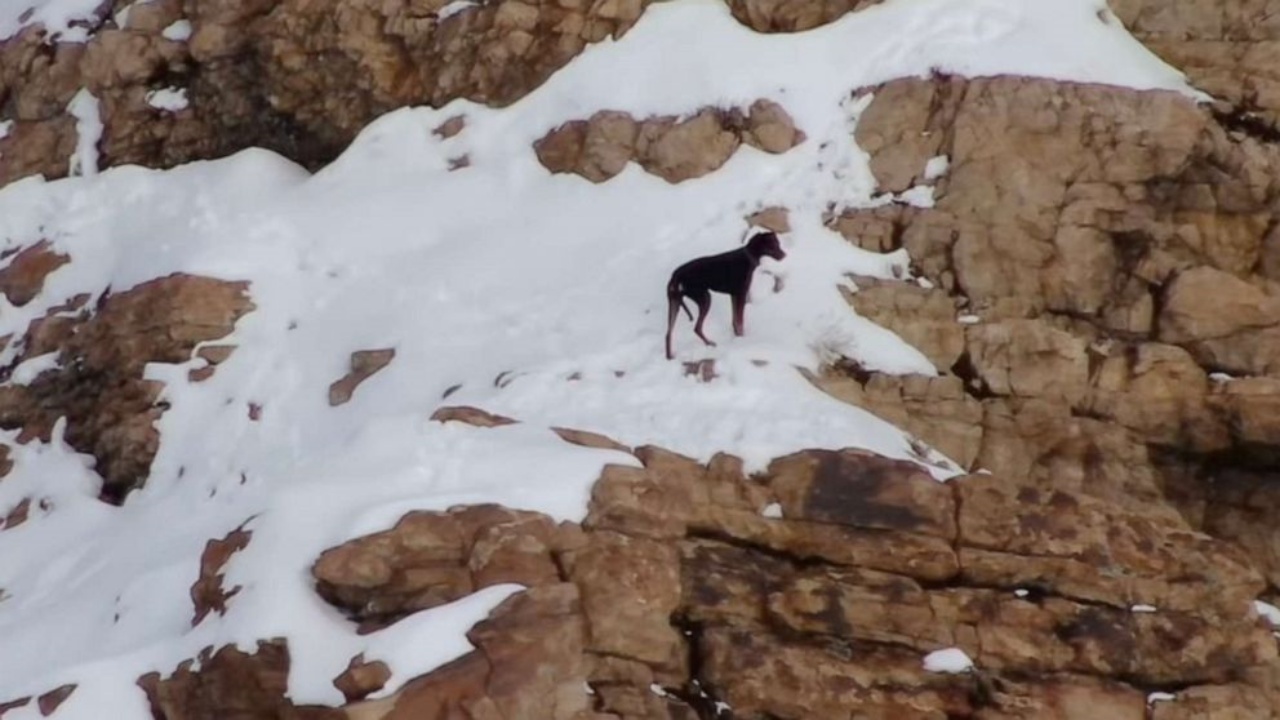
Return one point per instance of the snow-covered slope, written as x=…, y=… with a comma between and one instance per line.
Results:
x=499, y=268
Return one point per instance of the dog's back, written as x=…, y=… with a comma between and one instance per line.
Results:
x=720, y=273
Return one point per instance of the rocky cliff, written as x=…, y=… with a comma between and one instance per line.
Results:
x=1096, y=282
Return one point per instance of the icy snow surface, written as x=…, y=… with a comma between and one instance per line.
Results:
x=498, y=270
x=950, y=660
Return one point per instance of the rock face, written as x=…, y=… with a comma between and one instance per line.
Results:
x=815, y=590
x=1099, y=277
x=1228, y=49
x=98, y=383
x=230, y=683
x=675, y=149
x=792, y=15
x=364, y=364
x=240, y=72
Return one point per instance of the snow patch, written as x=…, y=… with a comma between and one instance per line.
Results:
x=178, y=31
x=455, y=7
x=84, y=108
x=950, y=660
x=1156, y=697
x=920, y=196
x=5, y=127
x=170, y=99
x=30, y=369
x=1269, y=612
x=968, y=319
x=936, y=167
x=772, y=510
x=1143, y=609
x=415, y=645
x=57, y=16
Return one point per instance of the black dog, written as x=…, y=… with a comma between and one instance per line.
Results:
x=728, y=273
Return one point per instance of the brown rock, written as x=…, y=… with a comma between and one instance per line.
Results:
x=362, y=678
x=1228, y=50
x=470, y=416
x=1159, y=392
x=230, y=683
x=207, y=594
x=776, y=219
x=1095, y=551
x=608, y=145
x=862, y=490
x=432, y=558
x=792, y=15
x=1028, y=358
x=528, y=663
x=48, y=703
x=758, y=674
x=17, y=514
x=681, y=150
x=630, y=588
x=14, y=705
x=23, y=278
x=924, y=317
x=672, y=148
x=590, y=439
x=937, y=410
x=770, y=128
x=98, y=386
x=243, y=72
x=1238, y=332
x=364, y=364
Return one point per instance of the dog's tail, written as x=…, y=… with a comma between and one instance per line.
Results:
x=675, y=291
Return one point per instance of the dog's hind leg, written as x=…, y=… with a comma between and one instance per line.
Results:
x=704, y=306
x=674, y=303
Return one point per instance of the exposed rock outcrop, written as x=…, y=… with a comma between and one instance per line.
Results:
x=792, y=15
x=1105, y=255
x=238, y=72
x=689, y=586
x=675, y=149
x=364, y=364
x=98, y=383
x=1228, y=49
x=231, y=683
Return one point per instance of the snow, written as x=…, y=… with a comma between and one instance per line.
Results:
x=171, y=99
x=968, y=319
x=55, y=15
x=28, y=370
x=1143, y=609
x=918, y=196
x=84, y=108
x=455, y=7
x=772, y=510
x=950, y=660
x=1021, y=592
x=415, y=645
x=499, y=271
x=1220, y=377
x=1156, y=697
x=5, y=127
x=1269, y=612
x=936, y=167
x=178, y=31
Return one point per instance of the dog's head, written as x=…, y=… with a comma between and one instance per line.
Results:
x=765, y=243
